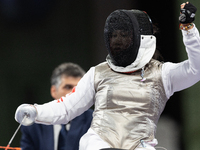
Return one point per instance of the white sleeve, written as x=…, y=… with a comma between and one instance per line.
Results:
x=179, y=76
x=73, y=104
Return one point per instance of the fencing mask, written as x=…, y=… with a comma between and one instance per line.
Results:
x=122, y=32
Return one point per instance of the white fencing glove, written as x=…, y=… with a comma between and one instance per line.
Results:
x=27, y=110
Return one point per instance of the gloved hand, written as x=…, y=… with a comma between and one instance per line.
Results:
x=187, y=14
x=26, y=110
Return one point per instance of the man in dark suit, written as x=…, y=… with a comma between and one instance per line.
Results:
x=56, y=137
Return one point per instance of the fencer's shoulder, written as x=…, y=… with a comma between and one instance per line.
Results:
x=103, y=65
x=155, y=66
x=155, y=63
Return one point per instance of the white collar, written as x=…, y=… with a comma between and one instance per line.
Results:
x=146, y=51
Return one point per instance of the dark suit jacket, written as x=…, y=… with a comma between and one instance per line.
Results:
x=41, y=137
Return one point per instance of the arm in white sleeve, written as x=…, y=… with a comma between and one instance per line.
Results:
x=179, y=76
x=73, y=104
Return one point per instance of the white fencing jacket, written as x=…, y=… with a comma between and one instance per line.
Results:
x=175, y=77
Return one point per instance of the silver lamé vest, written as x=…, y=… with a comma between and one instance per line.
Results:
x=127, y=109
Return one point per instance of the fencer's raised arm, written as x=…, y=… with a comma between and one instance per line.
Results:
x=64, y=109
x=178, y=76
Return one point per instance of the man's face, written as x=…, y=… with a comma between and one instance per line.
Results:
x=119, y=41
x=66, y=86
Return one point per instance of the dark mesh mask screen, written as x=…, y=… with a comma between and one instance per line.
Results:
x=122, y=37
